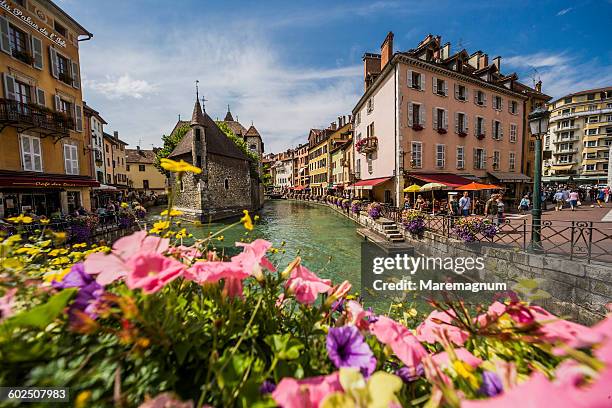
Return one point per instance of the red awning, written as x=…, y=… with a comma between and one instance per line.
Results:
x=29, y=179
x=448, y=179
x=299, y=188
x=368, y=184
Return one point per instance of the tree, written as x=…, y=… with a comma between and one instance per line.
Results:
x=238, y=141
x=170, y=142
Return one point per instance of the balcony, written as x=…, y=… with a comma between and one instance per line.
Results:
x=25, y=117
x=566, y=151
x=367, y=145
x=561, y=129
x=98, y=156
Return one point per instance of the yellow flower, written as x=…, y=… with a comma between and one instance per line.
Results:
x=220, y=238
x=173, y=213
x=246, y=220
x=56, y=275
x=82, y=399
x=45, y=221
x=179, y=166
x=124, y=205
x=181, y=234
x=21, y=219
x=59, y=235
x=81, y=245
x=464, y=370
x=160, y=226
x=27, y=250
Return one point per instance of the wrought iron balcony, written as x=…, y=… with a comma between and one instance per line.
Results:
x=24, y=117
x=367, y=145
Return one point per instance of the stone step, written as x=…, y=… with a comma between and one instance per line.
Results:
x=396, y=239
x=398, y=235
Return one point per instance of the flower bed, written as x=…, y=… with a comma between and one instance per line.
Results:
x=83, y=227
x=468, y=228
x=414, y=222
x=355, y=206
x=374, y=210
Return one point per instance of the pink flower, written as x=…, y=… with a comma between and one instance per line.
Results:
x=305, y=285
x=307, y=393
x=6, y=304
x=112, y=267
x=556, y=329
x=494, y=312
x=430, y=330
x=253, y=258
x=214, y=271
x=188, y=253
x=151, y=271
x=357, y=316
x=442, y=359
x=403, y=343
x=337, y=292
x=166, y=400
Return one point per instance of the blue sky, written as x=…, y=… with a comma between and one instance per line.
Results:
x=289, y=66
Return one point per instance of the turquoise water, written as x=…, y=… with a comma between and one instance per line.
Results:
x=327, y=242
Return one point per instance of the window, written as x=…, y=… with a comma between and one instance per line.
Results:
x=141, y=167
x=370, y=105
x=567, y=100
x=416, y=115
x=512, y=161
x=589, y=167
x=253, y=147
x=22, y=92
x=440, y=87
x=415, y=80
x=498, y=130
x=513, y=131
x=480, y=98
x=460, y=157
x=440, y=155
x=370, y=130
x=31, y=155
x=127, y=167
x=417, y=154
x=226, y=183
x=18, y=41
x=497, y=102
x=59, y=28
x=71, y=159
x=107, y=149
x=591, y=97
x=480, y=127
x=460, y=92
x=591, y=132
x=440, y=119
x=198, y=161
x=513, y=107
x=358, y=118
x=590, y=143
x=198, y=135
x=496, y=159
x=63, y=69
x=145, y=184
x=461, y=124
x=480, y=159
x=593, y=119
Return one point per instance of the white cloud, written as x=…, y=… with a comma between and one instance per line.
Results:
x=564, y=11
x=540, y=59
x=121, y=87
x=144, y=88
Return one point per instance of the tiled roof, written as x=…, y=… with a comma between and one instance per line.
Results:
x=236, y=127
x=140, y=156
x=252, y=132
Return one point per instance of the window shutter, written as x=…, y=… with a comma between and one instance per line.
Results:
x=501, y=103
x=493, y=135
x=446, y=88
x=410, y=109
x=484, y=158
x=53, y=61
x=467, y=94
x=434, y=118
x=501, y=130
x=422, y=82
x=57, y=103
x=409, y=79
x=37, y=52
x=37, y=162
x=476, y=126
x=75, y=160
x=475, y=158
x=445, y=119
x=76, y=79
x=67, y=156
x=484, y=98
x=456, y=91
x=79, y=117
x=434, y=84
x=5, y=44
x=40, y=97
x=456, y=122
x=9, y=87
x=422, y=116
x=466, y=122
x=476, y=97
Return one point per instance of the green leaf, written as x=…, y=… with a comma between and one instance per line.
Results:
x=284, y=346
x=42, y=315
x=232, y=373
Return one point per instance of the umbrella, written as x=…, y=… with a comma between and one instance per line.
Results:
x=412, y=189
x=478, y=186
x=432, y=187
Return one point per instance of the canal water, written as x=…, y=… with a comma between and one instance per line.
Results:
x=327, y=242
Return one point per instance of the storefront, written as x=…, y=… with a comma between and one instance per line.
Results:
x=516, y=185
x=43, y=194
x=377, y=189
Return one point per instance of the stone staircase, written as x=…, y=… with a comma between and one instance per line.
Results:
x=391, y=231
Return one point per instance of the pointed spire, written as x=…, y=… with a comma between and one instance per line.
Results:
x=228, y=115
x=252, y=131
x=197, y=117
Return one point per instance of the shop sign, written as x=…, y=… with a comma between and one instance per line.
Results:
x=28, y=20
x=48, y=184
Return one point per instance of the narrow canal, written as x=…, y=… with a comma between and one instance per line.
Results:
x=327, y=242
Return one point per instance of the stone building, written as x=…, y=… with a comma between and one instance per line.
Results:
x=226, y=185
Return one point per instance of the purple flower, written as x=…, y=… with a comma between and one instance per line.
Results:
x=267, y=387
x=406, y=373
x=491, y=384
x=89, y=290
x=346, y=347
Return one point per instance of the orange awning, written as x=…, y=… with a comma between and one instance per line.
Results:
x=368, y=184
x=478, y=186
x=448, y=179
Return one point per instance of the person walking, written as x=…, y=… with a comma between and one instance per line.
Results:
x=500, y=209
x=491, y=208
x=601, y=197
x=465, y=204
x=558, y=200
x=418, y=204
x=524, y=204
x=453, y=206
x=573, y=200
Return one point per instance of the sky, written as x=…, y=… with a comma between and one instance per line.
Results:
x=289, y=66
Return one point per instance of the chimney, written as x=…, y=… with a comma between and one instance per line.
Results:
x=332, y=126
x=497, y=63
x=386, y=50
x=483, y=61
x=371, y=67
x=116, y=134
x=538, y=86
x=138, y=149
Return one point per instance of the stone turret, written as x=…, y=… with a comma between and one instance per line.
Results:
x=198, y=127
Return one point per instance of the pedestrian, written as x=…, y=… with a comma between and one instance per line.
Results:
x=491, y=208
x=607, y=190
x=465, y=204
x=573, y=199
x=418, y=205
x=453, y=206
x=601, y=196
x=500, y=209
x=558, y=200
x=524, y=204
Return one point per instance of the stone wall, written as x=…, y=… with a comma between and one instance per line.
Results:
x=577, y=289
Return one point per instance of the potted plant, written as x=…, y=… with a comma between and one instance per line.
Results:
x=442, y=131
x=414, y=222
x=468, y=228
x=480, y=136
x=417, y=127
x=462, y=133
x=374, y=210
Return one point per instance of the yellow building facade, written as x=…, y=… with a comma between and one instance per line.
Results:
x=142, y=174
x=45, y=160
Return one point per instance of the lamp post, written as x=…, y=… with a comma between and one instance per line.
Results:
x=538, y=124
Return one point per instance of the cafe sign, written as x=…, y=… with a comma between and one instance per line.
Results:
x=28, y=20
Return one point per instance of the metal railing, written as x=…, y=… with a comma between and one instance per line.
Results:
x=14, y=112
